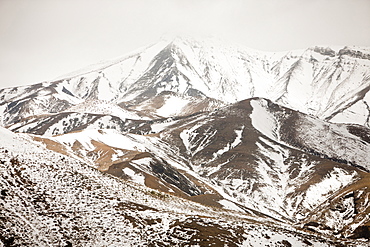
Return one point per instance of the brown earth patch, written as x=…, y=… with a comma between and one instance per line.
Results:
x=52, y=145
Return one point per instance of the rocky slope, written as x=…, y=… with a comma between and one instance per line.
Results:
x=49, y=199
x=326, y=83
x=253, y=156
x=259, y=148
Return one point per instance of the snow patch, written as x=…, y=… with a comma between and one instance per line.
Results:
x=230, y=205
x=332, y=182
x=263, y=120
x=158, y=127
x=172, y=106
x=232, y=145
x=136, y=177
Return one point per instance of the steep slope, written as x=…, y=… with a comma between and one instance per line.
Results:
x=327, y=83
x=242, y=150
x=266, y=139
x=253, y=156
x=278, y=161
x=22, y=102
x=65, y=122
x=51, y=199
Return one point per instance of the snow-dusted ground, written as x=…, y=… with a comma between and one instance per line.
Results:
x=106, y=108
x=270, y=192
x=49, y=199
x=339, y=178
x=172, y=106
x=165, y=79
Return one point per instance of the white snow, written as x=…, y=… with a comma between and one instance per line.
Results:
x=185, y=137
x=228, y=74
x=335, y=180
x=358, y=113
x=106, y=91
x=188, y=137
x=232, y=145
x=300, y=92
x=239, y=137
x=6, y=136
x=275, y=239
x=335, y=140
x=158, y=127
x=104, y=107
x=140, y=58
x=136, y=177
x=172, y=106
x=230, y=205
x=263, y=120
x=109, y=137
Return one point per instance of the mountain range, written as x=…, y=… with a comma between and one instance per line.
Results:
x=184, y=141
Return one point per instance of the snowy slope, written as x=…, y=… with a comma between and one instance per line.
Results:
x=50, y=203
x=173, y=117
x=320, y=81
x=106, y=108
x=339, y=142
x=252, y=156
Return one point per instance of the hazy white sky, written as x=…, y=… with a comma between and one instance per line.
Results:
x=43, y=39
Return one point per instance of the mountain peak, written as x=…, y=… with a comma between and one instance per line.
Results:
x=226, y=73
x=187, y=121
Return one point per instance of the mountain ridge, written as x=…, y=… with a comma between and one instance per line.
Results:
x=271, y=139
x=187, y=65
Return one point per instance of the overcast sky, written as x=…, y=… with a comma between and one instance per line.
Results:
x=43, y=39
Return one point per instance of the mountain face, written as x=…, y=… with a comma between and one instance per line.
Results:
x=48, y=199
x=329, y=84
x=259, y=148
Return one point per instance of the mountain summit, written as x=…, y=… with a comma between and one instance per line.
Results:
x=257, y=147
x=330, y=84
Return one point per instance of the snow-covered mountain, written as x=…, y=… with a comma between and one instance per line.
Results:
x=48, y=199
x=278, y=139
x=331, y=84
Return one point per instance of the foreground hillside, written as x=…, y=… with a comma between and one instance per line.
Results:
x=53, y=200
